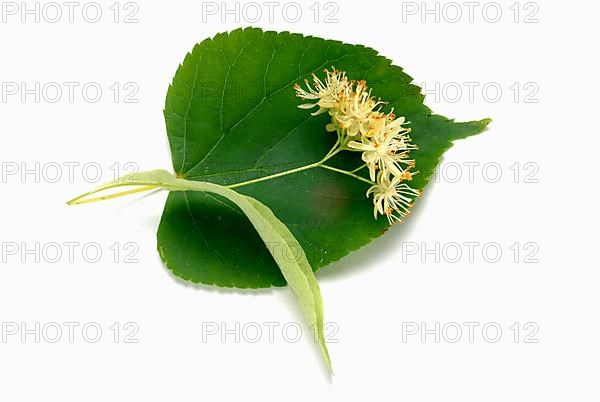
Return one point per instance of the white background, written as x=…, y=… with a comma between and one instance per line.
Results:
x=373, y=297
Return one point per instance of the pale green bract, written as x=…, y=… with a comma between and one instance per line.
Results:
x=276, y=236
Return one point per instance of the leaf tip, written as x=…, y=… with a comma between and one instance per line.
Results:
x=484, y=122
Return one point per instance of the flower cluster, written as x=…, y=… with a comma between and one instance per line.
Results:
x=383, y=139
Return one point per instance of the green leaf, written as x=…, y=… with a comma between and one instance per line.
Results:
x=232, y=116
x=275, y=236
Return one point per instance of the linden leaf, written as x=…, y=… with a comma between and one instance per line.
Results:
x=232, y=116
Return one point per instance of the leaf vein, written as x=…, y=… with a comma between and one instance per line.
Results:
x=187, y=112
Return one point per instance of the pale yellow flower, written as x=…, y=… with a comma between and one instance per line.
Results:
x=392, y=198
x=386, y=147
x=326, y=94
x=356, y=109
